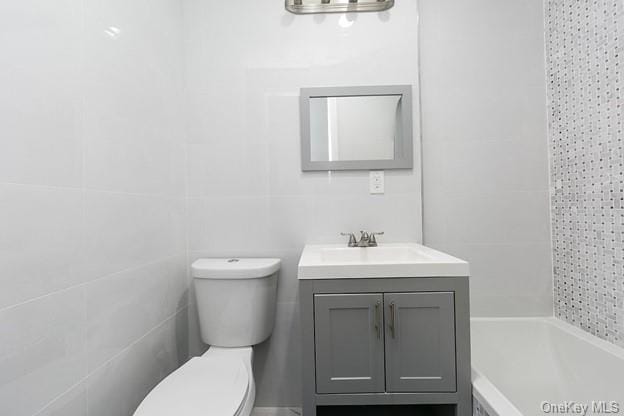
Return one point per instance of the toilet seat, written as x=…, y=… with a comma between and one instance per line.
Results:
x=203, y=386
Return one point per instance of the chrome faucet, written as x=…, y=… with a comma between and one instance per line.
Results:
x=366, y=239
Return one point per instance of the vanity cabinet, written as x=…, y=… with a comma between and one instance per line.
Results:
x=386, y=341
x=418, y=330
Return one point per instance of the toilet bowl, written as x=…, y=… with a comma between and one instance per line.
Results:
x=236, y=307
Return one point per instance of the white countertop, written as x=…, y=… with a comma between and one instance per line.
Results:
x=337, y=261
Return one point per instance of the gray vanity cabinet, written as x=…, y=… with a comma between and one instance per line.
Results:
x=419, y=339
x=349, y=343
x=389, y=342
x=420, y=342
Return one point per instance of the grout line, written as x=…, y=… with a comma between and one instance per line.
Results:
x=114, y=357
x=83, y=188
x=58, y=397
x=66, y=289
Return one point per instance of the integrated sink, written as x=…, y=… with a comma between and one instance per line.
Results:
x=335, y=261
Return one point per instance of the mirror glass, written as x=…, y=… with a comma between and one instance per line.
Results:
x=353, y=128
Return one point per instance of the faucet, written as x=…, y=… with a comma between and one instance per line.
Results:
x=366, y=239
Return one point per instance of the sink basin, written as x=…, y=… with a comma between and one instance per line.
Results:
x=335, y=261
x=382, y=254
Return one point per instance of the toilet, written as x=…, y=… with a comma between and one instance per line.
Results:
x=236, y=307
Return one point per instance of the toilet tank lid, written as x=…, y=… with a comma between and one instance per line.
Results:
x=234, y=268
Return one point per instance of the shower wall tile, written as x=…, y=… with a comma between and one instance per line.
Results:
x=508, y=279
x=584, y=45
x=485, y=149
x=519, y=217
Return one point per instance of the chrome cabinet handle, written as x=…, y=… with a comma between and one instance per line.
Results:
x=392, y=317
x=378, y=319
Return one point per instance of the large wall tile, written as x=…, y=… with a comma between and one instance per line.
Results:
x=40, y=241
x=125, y=231
x=229, y=166
x=40, y=111
x=71, y=403
x=133, y=94
x=277, y=361
x=42, y=351
x=236, y=223
x=123, y=307
x=92, y=187
x=502, y=218
x=117, y=388
x=485, y=153
x=507, y=279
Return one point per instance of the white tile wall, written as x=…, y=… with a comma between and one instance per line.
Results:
x=43, y=350
x=41, y=241
x=40, y=109
x=93, y=306
x=485, y=154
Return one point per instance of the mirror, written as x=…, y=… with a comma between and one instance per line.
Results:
x=356, y=128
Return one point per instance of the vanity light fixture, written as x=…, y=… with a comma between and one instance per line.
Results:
x=337, y=6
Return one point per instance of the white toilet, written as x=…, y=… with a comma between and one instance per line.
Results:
x=236, y=307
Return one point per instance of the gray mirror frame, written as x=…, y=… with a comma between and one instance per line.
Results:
x=403, y=153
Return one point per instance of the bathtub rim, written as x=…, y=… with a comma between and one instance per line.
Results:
x=493, y=400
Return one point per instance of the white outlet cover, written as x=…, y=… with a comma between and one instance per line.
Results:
x=376, y=182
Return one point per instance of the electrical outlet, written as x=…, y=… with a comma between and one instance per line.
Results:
x=376, y=182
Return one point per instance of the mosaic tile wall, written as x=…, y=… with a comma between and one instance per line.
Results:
x=585, y=64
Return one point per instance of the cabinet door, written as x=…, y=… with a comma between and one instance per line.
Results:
x=420, y=342
x=348, y=332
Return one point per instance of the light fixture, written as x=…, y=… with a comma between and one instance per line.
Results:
x=337, y=6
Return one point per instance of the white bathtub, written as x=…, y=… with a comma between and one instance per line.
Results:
x=527, y=366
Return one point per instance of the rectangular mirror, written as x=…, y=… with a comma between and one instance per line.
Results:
x=356, y=128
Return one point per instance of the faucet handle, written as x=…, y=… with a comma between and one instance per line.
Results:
x=352, y=240
x=373, y=240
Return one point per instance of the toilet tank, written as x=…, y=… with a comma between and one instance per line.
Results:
x=236, y=300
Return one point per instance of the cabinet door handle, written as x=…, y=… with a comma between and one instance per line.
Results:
x=391, y=324
x=378, y=319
